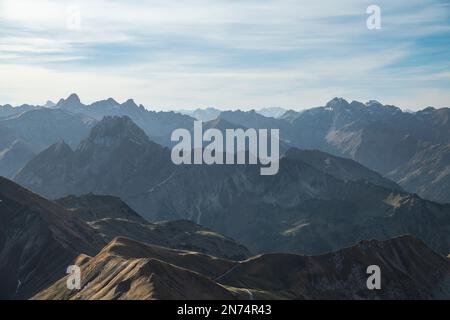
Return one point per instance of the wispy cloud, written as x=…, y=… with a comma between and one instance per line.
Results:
x=225, y=53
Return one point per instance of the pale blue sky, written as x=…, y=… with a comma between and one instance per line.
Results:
x=225, y=53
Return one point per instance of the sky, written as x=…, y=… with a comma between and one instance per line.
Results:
x=228, y=54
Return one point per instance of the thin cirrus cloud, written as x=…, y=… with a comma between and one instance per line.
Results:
x=227, y=54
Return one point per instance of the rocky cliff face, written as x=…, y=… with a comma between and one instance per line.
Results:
x=427, y=173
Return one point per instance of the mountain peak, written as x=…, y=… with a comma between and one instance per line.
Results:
x=337, y=103
x=115, y=129
x=107, y=104
x=130, y=103
x=111, y=100
x=49, y=104
x=73, y=98
x=72, y=101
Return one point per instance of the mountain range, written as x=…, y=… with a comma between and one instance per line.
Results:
x=39, y=238
x=209, y=114
x=157, y=125
x=316, y=203
x=359, y=184
x=181, y=260
x=380, y=137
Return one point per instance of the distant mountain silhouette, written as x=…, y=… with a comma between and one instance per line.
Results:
x=274, y=112
x=157, y=125
x=381, y=137
x=27, y=133
x=207, y=114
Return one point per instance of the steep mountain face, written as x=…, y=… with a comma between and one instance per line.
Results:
x=38, y=240
x=13, y=158
x=300, y=210
x=341, y=168
x=427, y=173
x=117, y=159
x=25, y=134
x=382, y=138
x=305, y=208
x=56, y=158
x=126, y=269
x=157, y=125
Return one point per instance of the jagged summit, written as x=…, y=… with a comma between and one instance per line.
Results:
x=111, y=100
x=108, y=103
x=116, y=153
x=130, y=102
x=115, y=129
x=73, y=98
x=72, y=101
